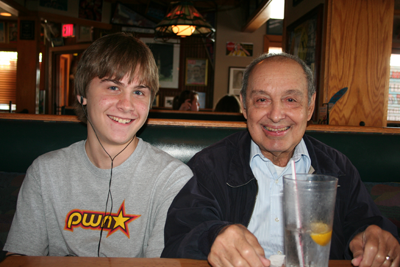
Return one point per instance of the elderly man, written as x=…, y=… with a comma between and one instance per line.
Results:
x=231, y=210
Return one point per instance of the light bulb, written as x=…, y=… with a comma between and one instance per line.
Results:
x=183, y=30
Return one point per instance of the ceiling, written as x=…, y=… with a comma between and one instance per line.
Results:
x=203, y=6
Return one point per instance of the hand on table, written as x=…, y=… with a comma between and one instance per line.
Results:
x=371, y=247
x=237, y=246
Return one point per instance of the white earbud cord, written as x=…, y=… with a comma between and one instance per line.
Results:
x=109, y=195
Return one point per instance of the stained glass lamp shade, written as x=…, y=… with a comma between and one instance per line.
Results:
x=184, y=20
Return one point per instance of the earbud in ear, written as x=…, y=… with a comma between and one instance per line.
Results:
x=81, y=100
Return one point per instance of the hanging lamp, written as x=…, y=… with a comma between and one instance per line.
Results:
x=183, y=20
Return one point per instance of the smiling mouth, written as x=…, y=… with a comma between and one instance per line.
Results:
x=123, y=121
x=276, y=129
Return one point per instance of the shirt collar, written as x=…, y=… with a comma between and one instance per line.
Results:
x=299, y=151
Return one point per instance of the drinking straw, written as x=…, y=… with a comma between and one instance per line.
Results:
x=300, y=253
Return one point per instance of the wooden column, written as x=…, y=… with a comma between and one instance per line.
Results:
x=358, y=42
x=28, y=63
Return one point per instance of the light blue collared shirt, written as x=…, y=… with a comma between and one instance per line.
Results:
x=266, y=222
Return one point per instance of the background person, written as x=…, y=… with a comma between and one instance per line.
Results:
x=113, y=182
x=228, y=103
x=230, y=212
x=188, y=100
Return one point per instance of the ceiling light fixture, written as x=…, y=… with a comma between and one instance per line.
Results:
x=5, y=14
x=183, y=20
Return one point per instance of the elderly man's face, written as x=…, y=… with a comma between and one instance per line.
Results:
x=277, y=108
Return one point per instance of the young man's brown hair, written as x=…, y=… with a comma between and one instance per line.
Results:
x=115, y=55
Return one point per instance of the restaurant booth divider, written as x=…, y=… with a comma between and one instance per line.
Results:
x=181, y=115
x=23, y=137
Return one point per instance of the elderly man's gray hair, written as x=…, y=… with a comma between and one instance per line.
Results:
x=280, y=56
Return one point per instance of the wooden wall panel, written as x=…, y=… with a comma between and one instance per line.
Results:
x=357, y=56
x=27, y=66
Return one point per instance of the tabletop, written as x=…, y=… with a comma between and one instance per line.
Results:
x=26, y=261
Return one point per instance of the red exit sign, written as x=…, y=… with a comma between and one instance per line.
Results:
x=67, y=30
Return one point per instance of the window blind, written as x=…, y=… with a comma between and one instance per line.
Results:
x=8, y=77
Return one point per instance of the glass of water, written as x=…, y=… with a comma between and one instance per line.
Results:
x=308, y=205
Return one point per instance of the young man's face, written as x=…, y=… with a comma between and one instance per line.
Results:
x=116, y=109
x=277, y=108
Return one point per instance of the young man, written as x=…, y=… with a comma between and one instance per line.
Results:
x=108, y=195
x=237, y=183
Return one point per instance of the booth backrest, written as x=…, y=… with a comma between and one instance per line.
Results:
x=24, y=140
x=201, y=115
x=375, y=155
x=374, y=151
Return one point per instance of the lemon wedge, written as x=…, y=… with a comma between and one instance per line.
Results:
x=320, y=233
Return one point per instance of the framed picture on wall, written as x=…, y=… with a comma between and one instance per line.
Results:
x=12, y=32
x=235, y=80
x=304, y=39
x=123, y=15
x=27, y=30
x=166, y=55
x=168, y=101
x=90, y=9
x=196, y=71
x=156, y=101
x=83, y=34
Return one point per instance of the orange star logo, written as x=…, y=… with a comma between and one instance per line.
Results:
x=95, y=220
x=121, y=221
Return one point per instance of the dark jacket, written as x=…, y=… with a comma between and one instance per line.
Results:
x=223, y=191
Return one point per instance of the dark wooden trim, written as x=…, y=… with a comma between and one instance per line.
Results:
x=8, y=47
x=65, y=19
x=69, y=48
x=210, y=112
x=352, y=129
x=259, y=17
